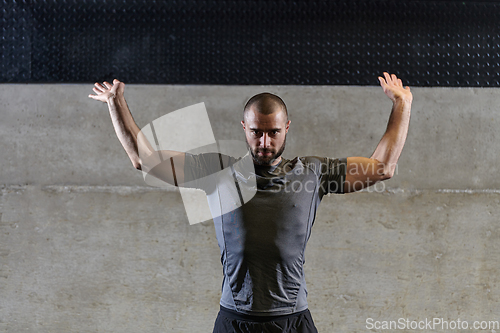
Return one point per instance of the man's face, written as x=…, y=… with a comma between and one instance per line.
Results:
x=266, y=135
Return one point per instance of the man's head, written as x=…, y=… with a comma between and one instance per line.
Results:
x=265, y=122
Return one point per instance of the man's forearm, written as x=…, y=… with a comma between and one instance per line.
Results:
x=125, y=127
x=122, y=107
x=390, y=146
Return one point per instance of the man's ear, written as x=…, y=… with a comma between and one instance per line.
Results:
x=243, y=124
x=287, y=126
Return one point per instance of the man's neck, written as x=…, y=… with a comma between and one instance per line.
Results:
x=276, y=161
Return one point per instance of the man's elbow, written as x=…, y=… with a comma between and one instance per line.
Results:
x=136, y=163
x=379, y=178
x=386, y=176
x=386, y=170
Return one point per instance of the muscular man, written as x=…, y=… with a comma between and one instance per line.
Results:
x=263, y=241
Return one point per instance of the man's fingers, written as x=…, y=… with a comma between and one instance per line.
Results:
x=99, y=86
x=97, y=91
x=382, y=81
x=104, y=86
x=392, y=80
x=387, y=78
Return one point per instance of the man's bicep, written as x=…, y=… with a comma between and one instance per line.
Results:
x=165, y=165
x=362, y=172
x=187, y=170
x=200, y=169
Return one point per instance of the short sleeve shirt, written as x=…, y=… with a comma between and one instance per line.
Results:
x=263, y=241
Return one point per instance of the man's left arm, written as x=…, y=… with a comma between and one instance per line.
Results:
x=362, y=172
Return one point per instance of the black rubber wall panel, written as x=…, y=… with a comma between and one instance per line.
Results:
x=427, y=43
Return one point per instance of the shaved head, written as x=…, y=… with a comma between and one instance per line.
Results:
x=265, y=103
x=265, y=122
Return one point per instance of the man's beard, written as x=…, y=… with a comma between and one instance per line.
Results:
x=266, y=160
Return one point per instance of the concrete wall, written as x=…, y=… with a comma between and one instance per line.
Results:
x=86, y=246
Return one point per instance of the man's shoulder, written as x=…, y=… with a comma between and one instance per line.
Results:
x=224, y=159
x=308, y=160
x=317, y=159
x=313, y=159
x=317, y=164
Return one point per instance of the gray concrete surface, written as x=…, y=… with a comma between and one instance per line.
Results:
x=86, y=246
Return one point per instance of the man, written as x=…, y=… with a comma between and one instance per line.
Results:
x=263, y=241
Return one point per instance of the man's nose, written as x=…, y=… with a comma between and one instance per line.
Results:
x=265, y=141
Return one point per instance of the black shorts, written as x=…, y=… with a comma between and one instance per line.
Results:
x=229, y=321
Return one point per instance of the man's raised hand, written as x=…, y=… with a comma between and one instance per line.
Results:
x=393, y=88
x=106, y=91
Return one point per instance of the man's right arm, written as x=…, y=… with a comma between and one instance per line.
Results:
x=166, y=165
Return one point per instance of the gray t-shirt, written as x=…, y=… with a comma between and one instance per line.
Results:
x=263, y=241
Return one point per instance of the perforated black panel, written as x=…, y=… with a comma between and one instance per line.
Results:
x=427, y=43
